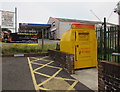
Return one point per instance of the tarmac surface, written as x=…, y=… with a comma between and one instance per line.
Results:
x=16, y=74
x=36, y=73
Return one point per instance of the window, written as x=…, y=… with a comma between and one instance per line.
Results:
x=53, y=24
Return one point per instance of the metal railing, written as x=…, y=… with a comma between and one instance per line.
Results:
x=108, y=42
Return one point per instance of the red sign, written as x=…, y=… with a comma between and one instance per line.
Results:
x=76, y=26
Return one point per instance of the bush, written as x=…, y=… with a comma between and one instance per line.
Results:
x=22, y=49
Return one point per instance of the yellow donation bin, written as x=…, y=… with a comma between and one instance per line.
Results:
x=81, y=41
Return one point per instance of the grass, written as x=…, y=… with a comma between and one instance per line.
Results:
x=23, y=49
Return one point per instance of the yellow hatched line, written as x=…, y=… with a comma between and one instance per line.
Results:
x=35, y=60
x=72, y=86
x=46, y=60
x=47, y=65
x=42, y=74
x=49, y=78
x=43, y=66
x=42, y=59
x=44, y=88
x=54, y=77
x=33, y=76
x=54, y=67
x=37, y=63
x=65, y=79
x=38, y=58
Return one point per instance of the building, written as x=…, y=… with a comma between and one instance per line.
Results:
x=60, y=25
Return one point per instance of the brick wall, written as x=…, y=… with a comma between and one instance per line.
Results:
x=65, y=59
x=108, y=76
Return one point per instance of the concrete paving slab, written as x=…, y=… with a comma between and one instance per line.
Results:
x=88, y=77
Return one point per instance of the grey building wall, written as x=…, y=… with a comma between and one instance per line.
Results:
x=58, y=27
x=65, y=26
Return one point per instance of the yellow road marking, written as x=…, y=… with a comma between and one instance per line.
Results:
x=35, y=60
x=47, y=65
x=54, y=67
x=37, y=86
x=42, y=66
x=37, y=63
x=38, y=58
x=54, y=77
x=49, y=78
x=42, y=74
x=46, y=60
x=33, y=76
x=44, y=88
x=72, y=86
x=65, y=78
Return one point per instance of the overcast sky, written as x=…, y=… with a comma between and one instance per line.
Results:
x=33, y=11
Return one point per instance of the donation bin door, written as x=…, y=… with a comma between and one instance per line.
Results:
x=83, y=53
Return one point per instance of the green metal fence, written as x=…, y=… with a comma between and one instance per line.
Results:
x=108, y=42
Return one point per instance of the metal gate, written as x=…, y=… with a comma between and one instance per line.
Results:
x=108, y=42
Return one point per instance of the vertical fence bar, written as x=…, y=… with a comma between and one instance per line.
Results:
x=119, y=42
x=101, y=42
x=115, y=41
x=105, y=39
x=110, y=41
x=42, y=39
x=97, y=42
x=108, y=44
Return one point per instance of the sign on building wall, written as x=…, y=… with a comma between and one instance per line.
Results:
x=7, y=19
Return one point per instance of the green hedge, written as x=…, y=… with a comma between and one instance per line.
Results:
x=18, y=49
